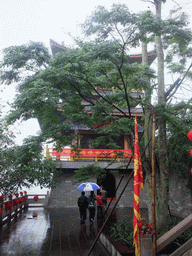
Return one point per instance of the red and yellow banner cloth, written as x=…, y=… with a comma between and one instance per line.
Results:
x=123, y=153
x=138, y=185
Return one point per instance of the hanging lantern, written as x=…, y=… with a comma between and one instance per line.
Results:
x=24, y=198
x=189, y=135
x=20, y=201
x=15, y=202
x=8, y=206
x=36, y=198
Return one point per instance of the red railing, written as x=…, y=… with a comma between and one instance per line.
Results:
x=92, y=153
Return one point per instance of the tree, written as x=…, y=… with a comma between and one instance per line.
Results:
x=7, y=157
x=23, y=165
x=162, y=45
x=66, y=89
x=176, y=39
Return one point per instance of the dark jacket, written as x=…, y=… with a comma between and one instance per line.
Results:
x=91, y=201
x=82, y=201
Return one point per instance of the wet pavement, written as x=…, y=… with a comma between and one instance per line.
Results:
x=53, y=232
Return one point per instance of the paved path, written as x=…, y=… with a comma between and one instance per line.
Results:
x=54, y=232
x=51, y=233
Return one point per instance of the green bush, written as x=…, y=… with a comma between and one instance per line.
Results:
x=123, y=231
x=184, y=237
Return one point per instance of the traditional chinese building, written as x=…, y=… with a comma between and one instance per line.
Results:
x=70, y=161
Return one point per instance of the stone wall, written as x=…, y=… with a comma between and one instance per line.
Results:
x=180, y=197
x=128, y=195
x=66, y=194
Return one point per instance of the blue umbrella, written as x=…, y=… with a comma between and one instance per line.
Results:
x=88, y=186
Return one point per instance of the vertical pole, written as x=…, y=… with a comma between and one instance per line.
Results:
x=153, y=185
x=1, y=207
x=10, y=211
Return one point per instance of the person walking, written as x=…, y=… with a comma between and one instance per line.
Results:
x=83, y=204
x=104, y=194
x=91, y=206
x=99, y=205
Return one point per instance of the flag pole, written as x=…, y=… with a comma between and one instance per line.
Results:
x=138, y=185
x=153, y=185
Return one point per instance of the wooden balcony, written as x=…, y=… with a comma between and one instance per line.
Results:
x=67, y=154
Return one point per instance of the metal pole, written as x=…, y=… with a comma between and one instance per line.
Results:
x=131, y=175
x=105, y=212
x=153, y=185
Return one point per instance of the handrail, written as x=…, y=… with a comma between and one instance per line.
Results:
x=183, y=249
x=10, y=206
x=67, y=154
x=43, y=200
x=174, y=233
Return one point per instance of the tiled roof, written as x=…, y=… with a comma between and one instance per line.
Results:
x=138, y=58
x=56, y=48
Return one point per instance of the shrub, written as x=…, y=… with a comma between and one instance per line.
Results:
x=181, y=239
x=123, y=231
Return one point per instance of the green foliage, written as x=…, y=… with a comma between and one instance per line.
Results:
x=181, y=239
x=23, y=165
x=123, y=231
x=85, y=172
x=32, y=167
x=72, y=77
x=61, y=91
x=18, y=59
x=118, y=20
x=76, y=150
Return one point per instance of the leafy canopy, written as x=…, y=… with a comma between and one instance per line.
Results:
x=69, y=90
x=23, y=165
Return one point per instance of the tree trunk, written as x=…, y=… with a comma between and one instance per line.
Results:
x=147, y=137
x=162, y=211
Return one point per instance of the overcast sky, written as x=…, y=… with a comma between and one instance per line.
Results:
x=22, y=21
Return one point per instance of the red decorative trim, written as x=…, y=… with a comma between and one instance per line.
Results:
x=102, y=153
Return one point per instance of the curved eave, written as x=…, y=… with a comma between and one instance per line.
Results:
x=138, y=58
x=56, y=48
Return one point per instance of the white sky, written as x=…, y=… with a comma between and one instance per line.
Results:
x=22, y=21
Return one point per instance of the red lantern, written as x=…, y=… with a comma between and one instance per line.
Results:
x=36, y=198
x=8, y=206
x=189, y=135
x=24, y=198
x=15, y=202
x=20, y=201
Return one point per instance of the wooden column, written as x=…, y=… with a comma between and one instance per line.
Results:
x=153, y=186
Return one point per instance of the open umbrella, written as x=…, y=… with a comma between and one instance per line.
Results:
x=88, y=186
